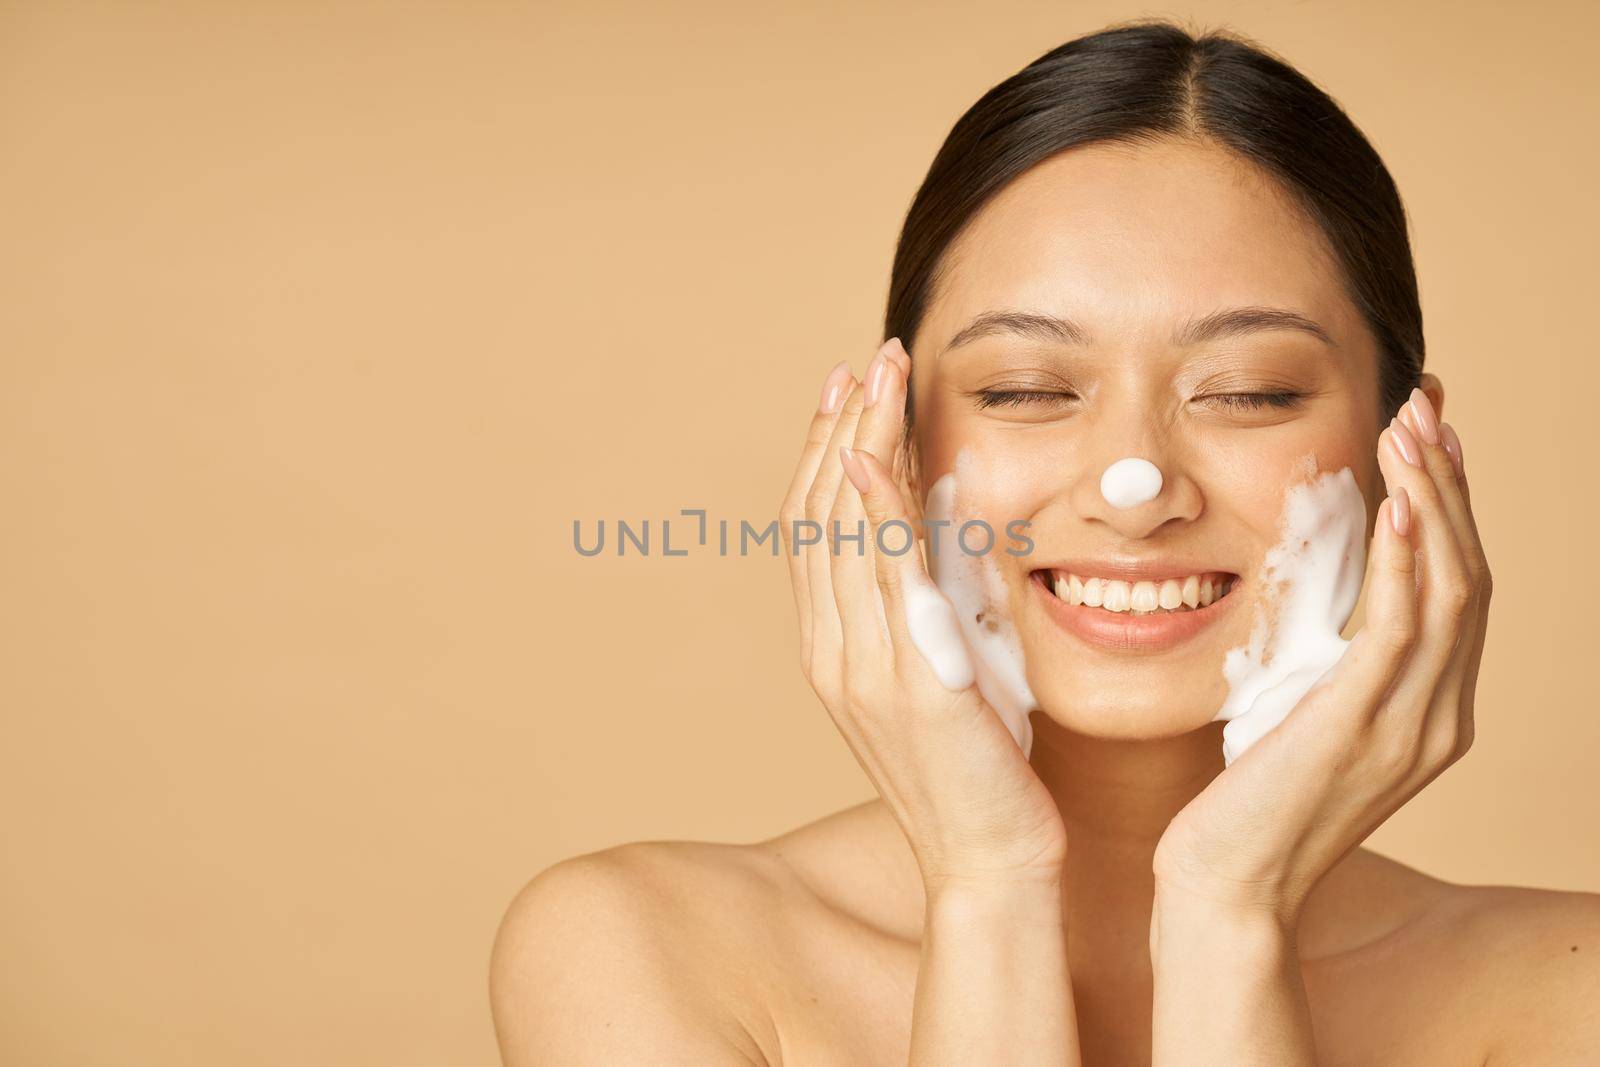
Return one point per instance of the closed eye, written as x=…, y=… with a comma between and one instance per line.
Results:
x=1256, y=400
x=1000, y=398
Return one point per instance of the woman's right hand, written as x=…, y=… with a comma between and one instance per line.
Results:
x=954, y=778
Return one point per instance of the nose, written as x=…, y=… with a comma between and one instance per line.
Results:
x=1137, y=491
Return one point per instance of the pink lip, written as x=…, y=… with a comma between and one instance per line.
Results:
x=1120, y=632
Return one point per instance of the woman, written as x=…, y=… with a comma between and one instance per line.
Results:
x=1142, y=246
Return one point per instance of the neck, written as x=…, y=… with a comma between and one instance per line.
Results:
x=1116, y=799
x=1122, y=792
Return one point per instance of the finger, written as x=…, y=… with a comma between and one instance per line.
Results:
x=863, y=627
x=790, y=513
x=933, y=639
x=902, y=458
x=863, y=620
x=1446, y=598
x=1452, y=446
x=1379, y=652
x=1441, y=454
x=861, y=611
x=826, y=633
x=1463, y=671
x=882, y=422
x=1450, y=728
x=1446, y=589
x=922, y=622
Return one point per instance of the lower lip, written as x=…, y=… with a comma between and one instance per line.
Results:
x=1118, y=631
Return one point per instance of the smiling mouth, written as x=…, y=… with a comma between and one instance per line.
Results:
x=1170, y=596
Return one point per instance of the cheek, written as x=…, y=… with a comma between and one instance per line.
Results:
x=1252, y=481
x=1000, y=484
x=1004, y=471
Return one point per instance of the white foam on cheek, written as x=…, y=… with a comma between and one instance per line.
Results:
x=1129, y=482
x=974, y=590
x=1313, y=576
x=931, y=622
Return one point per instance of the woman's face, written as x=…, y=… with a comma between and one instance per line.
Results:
x=1178, y=266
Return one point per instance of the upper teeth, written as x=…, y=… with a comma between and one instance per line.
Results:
x=1141, y=598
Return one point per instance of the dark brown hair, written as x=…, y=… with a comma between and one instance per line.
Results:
x=1148, y=80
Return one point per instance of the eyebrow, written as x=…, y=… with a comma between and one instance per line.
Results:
x=1226, y=323
x=1021, y=324
x=1233, y=321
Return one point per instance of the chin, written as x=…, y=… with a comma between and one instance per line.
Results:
x=1148, y=713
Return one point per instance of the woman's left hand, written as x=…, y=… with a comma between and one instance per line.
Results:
x=1393, y=713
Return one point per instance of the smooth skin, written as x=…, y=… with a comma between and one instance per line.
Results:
x=1119, y=897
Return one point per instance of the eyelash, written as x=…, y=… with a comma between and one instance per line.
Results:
x=1015, y=398
x=1258, y=400
x=996, y=398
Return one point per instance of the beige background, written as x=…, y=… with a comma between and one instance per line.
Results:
x=322, y=324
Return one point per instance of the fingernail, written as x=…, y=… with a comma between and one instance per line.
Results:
x=1400, y=511
x=875, y=372
x=854, y=469
x=1452, y=448
x=1423, y=418
x=833, y=388
x=896, y=350
x=1404, y=443
x=1405, y=417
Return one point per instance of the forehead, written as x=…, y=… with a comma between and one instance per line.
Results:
x=1130, y=240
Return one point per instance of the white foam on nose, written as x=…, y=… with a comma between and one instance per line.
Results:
x=1129, y=482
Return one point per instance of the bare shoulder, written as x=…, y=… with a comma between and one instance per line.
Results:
x=1535, y=958
x=1517, y=968
x=636, y=954
x=691, y=951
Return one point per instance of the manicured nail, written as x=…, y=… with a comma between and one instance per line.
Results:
x=854, y=469
x=1452, y=448
x=875, y=372
x=1400, y=511
x=1405, y=417
x=896, y=350
x=1423, y=418
x=833, y=393
x=1404, y=443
